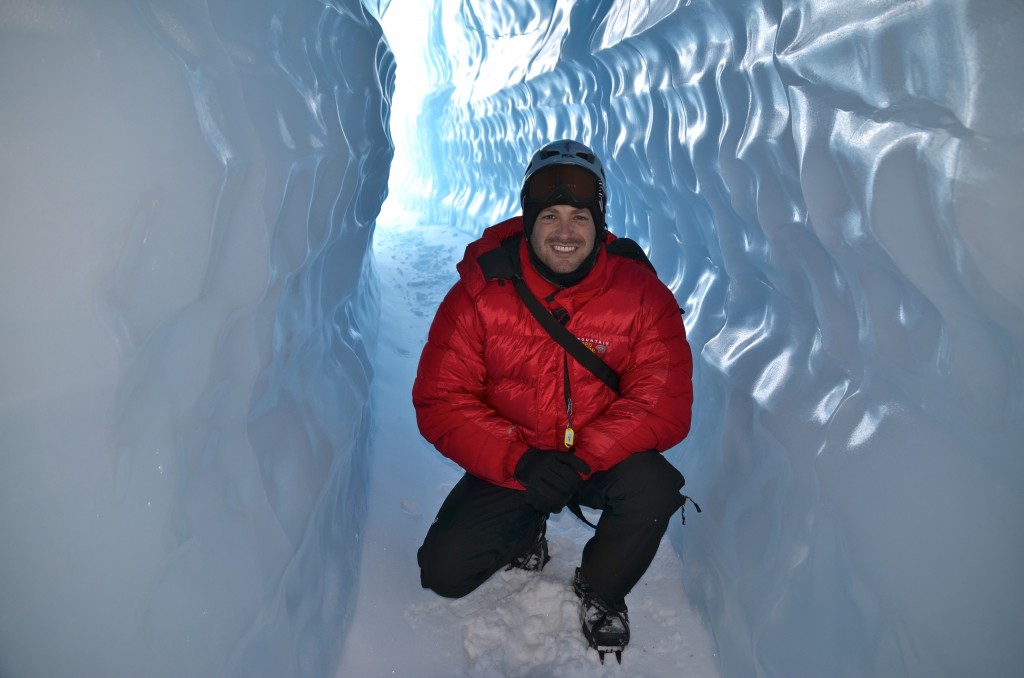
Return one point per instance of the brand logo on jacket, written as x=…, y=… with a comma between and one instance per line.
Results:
x=597, y=346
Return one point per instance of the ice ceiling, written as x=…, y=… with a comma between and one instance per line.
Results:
x=188, y=192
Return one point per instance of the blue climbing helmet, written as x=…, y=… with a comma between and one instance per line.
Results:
x=564, y=172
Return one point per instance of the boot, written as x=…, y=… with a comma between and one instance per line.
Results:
x=605, y=625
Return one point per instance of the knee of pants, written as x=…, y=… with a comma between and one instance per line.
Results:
x=648, y=485
x=440, y=575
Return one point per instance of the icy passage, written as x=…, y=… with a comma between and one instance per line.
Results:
x=190, y=314
x=519, y=623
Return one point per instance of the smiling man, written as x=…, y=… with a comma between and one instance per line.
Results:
x=555, y=373
x=563, y=238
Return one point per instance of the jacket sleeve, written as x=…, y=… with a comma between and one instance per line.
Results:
x=657, y=391
x=449, y=395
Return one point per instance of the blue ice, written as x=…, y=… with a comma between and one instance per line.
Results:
x=190, y=309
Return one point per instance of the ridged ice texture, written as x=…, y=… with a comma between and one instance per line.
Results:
x=189, y=318
x=833, y=191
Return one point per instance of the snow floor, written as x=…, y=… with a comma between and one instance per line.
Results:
x=518, y=623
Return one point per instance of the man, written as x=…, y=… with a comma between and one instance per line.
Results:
x=534, y=428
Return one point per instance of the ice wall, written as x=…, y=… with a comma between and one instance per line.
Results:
x=832, y=189
x=187, y=190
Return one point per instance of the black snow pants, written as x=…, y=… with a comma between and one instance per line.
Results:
x=482, y=527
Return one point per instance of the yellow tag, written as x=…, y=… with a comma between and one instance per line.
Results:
x=570, y=437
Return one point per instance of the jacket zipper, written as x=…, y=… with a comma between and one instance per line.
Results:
x=570, y=435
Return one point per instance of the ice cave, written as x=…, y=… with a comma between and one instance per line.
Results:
x=205, y=437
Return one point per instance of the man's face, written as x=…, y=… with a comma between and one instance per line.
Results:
x=563, y=236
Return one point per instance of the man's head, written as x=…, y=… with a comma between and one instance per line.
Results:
x=563, y=199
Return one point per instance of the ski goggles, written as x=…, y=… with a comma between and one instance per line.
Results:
x=558, y=184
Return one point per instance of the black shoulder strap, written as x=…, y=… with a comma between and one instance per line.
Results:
x=624, y=247
x=583, y=355
x=500, y=263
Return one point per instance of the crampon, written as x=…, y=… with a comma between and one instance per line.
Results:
x=605, y=625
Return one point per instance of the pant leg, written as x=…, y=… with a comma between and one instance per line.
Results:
x=638, y=498
x=479, y=529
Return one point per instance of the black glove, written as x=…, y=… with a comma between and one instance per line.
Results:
x=551, y=478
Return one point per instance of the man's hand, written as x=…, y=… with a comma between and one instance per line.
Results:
x=551, y=478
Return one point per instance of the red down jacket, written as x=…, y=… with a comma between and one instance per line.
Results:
x=491, y=380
